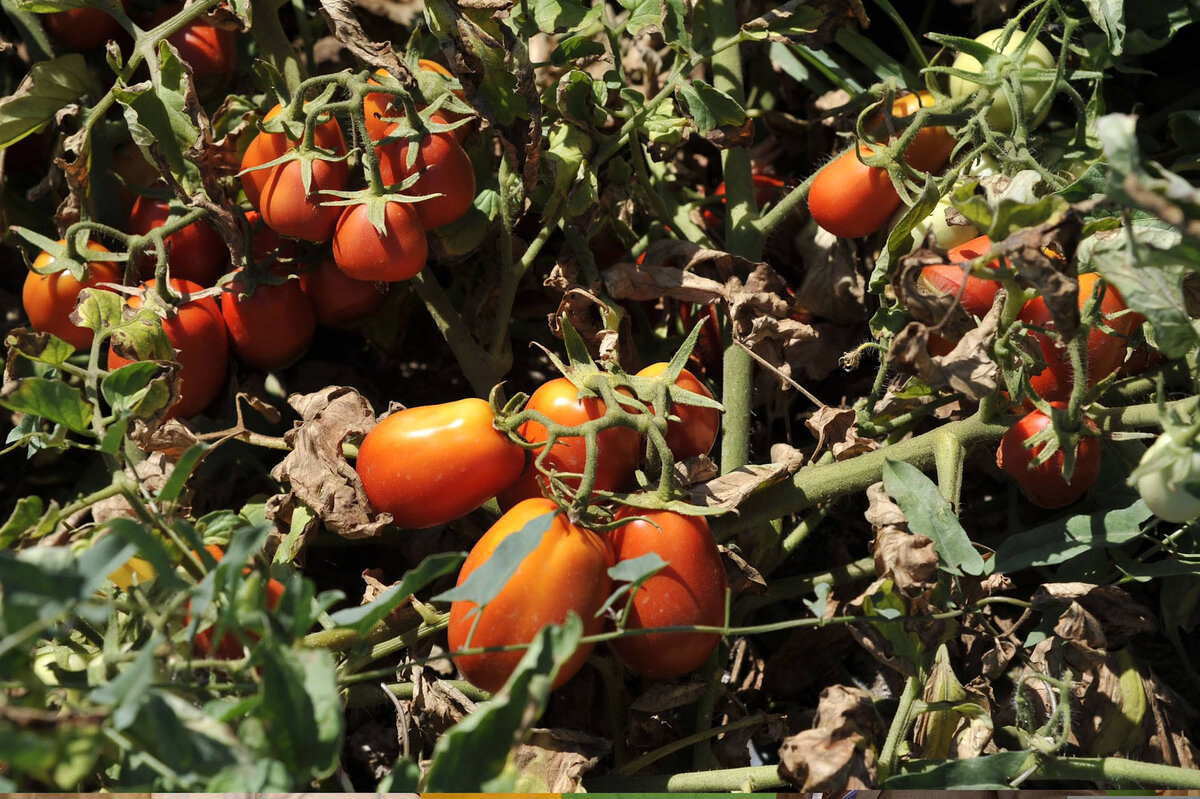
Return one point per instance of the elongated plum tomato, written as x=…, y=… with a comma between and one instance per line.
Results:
x=229, y=648
x=767, y=189
x=696, y=431
x=850, y=199
x=197, y=331
x=82, y=30
x=50, y=299
x=378, y=106
x=1105, y=351
x=194, y=253
x=975, y=293
x=999, y=113
x=211, y=52
x=444, y=168
x=272, y=326
x=618, y=447
x=567, y=572
x=278, y=192
x=337, y=298
x=362, y=254
x=434, y=463
x=1044, y=484
x=689, y=591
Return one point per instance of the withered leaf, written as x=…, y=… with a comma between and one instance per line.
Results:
x=838, y=753
x=663, y=696
x=836, y=429
x=968, y=369
x=741, y=577
x=730, y=490
x=554, y=761
x=909, y=560
x=1120, y=617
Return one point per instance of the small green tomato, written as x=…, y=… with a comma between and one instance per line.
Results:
x=1000, y=114
x=1168, y=479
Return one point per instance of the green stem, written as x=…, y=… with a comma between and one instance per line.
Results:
x=478, y=366
x=750, y=778
x=637, y=764
x=899, y=729
x=791, y=587
x=948, y=457
x=273, y=43
x=364, y=695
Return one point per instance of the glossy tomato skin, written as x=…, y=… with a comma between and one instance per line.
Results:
x=339, y=299
x=362, y=254
x=82, y=30
x=689, y=591
x=1168, y=490
x=767, y=189
x=1044, y=484
x=270, y=328
x=195, y=253
x=1105, y=351
x=50, y=299
x=431, y=464
x=197, y=331
x=444, y=168
x=229, y=648
x=696, y=431
x=211, y=52
x=567, y=572
x=619, y=447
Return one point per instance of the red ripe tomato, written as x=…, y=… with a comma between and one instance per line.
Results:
x=267, y=246
x=619, y=447
x=1105, y=352
x=444, y=168
x=211, y=52
x=81, y=30
x=767, y=189
x=362, y=254
x=975, y=293
x=278, y=192
x=338, y=299
x=1044, y=484
x=696, y=431
x=567, y=572
x=197, y=331
x=689, y=591
x=850, y=199
x=377, y=106
x=195, y=253
x=271, y=327
x=50, y=299
x=432, y=464
x=229, y=648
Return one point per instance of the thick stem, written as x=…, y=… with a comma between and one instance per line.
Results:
x=900, y=726
x=364, y=695
x=273, y=43
x=751, y=778
x=478, y=366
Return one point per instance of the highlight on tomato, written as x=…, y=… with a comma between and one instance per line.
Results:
x=566, y=573
x=196, y=252
x=196, y=330
x=338, y=299
x=431, y=464
x=362, y=253
x=695, y=432
x=272, y=325
x=1043, y=484
x=49, y=299
x=689, y=591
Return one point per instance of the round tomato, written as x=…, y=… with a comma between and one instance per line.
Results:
x=690, y=590
x=1105, y=351
x=194, y=253
x=362, y=254
x=229, y=647
x=1168, y=478
x=432, y=464
x=444, y=168
x=696, y=431
x=50, y=299
x=211, y=52
x=338, y=299
x=197, y=332
x=999, y=113
x=567, y=572
x=945, y=235
x=559, y=401
x=82, y=29
x=767, y=189
x=271, y=327
x=1044, y=484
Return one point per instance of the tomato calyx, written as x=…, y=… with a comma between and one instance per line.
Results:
x=72, y=254
x=1063, y=434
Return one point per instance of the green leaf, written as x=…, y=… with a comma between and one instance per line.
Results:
x=301, y=707
x=40, y=347
x=712, y=109
x=632, y=573
x=489, y=579
x=990, y=772
x=1109, y=16
x=51, y=399
x=557, y=16
x=473, y=754
x=25, y=515
x=643, y=15
x=130, y=689
x=366, y=616
x=1060, y=540
x=930, y=515
x=186, y=464
x=870, y=55
x=260, y=776
x=49, y=86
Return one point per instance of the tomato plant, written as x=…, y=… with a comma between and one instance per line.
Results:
x=196, y=330
x=210, y=51
x=377, y=106
x=444, y=168
x=272, y=325
x=429, y=465
x=1044, y=483
x=50, y=298
x=696, y=430
x=566, y=573
x=362, y=253
x=229, y=647
x=195, y=253
x=338, y=299
x=999, y=112
x=1168, y=477
x=689, y=591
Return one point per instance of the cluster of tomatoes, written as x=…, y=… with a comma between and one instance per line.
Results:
x=406, y=461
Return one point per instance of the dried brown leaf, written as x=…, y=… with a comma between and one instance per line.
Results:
x=554, y=761
x=152, y=474
x=838, y=753
x=836, y=429
x=909, y=560
x=968, y=369
x=742, y=578
x=663, y=696
x=1118, y=616
x=730, y=490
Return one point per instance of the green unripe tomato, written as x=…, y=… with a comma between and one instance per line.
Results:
x=1000, y=114
x=1168, y=486
x=946, y=235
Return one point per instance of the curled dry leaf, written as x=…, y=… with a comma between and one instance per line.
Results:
x=586, y=312
x=316, y=471
x=943, y=312
x=968, y=369
x=741, y=577
x=172, y=438
x=699, y=469
x=910, y=561
x=1115, y=616
x=346, y=27
x=836, y=429
x=554, y=761
x=935, y=731
x=838, y=753
x=730, y=490
x=152, y=474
